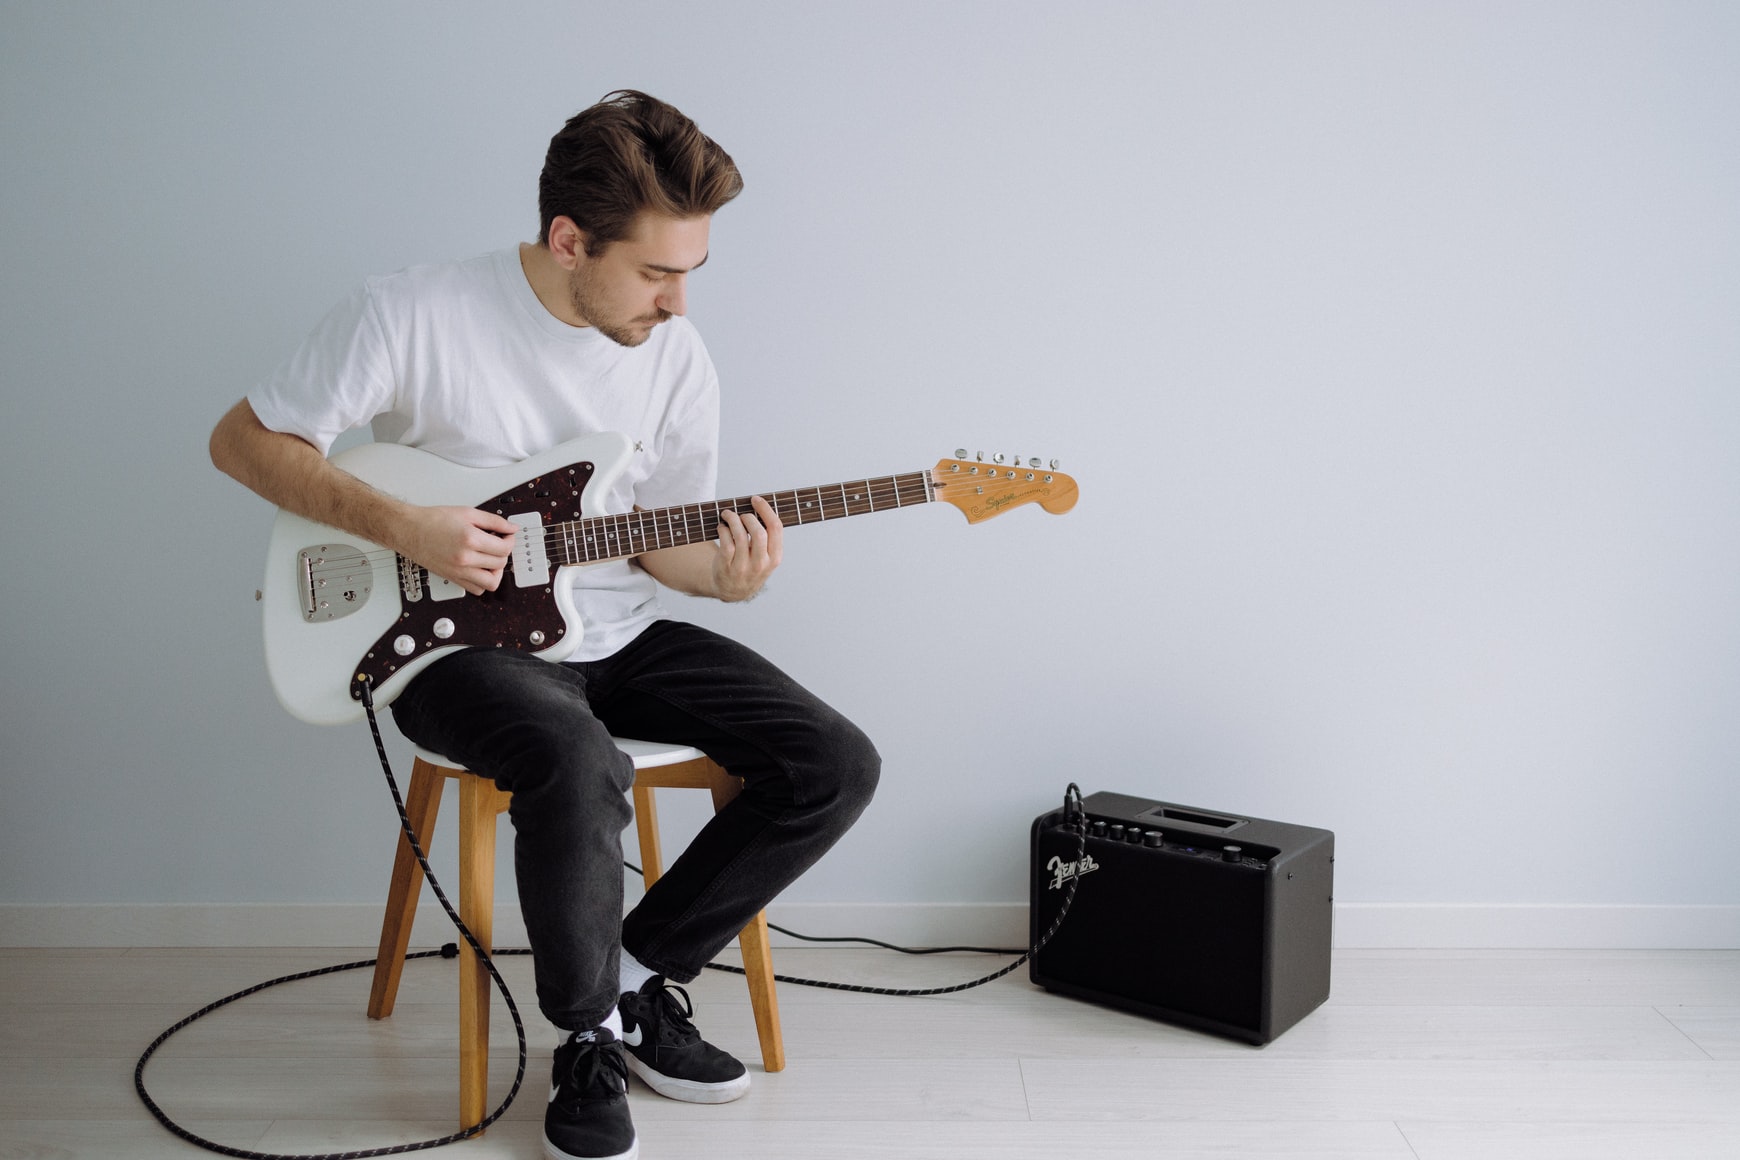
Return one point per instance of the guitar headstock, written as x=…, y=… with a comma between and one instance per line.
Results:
x=982, y=490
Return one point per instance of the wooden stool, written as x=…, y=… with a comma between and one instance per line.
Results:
x=480, y=802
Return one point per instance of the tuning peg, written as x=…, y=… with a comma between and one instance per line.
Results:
x=1034, y=462
x=960, y=453
x=1054, y=465
x=997, y=458
x=979, y=455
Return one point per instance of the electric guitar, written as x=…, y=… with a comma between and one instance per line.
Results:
x=342, y=614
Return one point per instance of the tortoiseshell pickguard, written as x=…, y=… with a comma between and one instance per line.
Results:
x=524, y=618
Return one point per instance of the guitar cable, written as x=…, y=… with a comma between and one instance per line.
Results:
x=1075, y=819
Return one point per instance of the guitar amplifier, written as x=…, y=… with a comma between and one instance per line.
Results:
x=1211, y=921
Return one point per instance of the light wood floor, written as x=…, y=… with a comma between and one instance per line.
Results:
x=1419, y=1055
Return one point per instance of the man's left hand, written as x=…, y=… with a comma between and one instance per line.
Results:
x=749, y=549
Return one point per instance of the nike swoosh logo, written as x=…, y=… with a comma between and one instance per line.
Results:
x=553, y=1090
x=633, y=1038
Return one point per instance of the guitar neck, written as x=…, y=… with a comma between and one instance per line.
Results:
x=588, y=541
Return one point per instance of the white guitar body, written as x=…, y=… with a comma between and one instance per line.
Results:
x=340, y=612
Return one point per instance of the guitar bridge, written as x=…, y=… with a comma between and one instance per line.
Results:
x=410, y=580
x=334, y=581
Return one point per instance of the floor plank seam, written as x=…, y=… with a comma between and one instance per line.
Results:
x=1688, y=1035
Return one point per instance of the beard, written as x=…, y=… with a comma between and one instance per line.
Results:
x=589, y=303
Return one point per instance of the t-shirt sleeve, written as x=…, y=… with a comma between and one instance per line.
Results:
x=340, y=377
x=688, y=466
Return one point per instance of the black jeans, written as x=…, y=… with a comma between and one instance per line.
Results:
x=543, y=730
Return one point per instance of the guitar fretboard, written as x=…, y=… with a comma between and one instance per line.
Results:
x=589, y=541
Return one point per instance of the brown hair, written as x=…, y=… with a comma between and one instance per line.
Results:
x=628, y=153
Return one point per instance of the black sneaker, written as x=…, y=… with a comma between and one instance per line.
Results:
x=666, y=1051
x=588, y=1114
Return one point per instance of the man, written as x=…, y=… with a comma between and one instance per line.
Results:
x=486, y=362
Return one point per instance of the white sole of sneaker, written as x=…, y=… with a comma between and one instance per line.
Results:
x=686, y=1090
x=551, y=1152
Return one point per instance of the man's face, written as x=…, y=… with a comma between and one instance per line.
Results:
x=640, y=281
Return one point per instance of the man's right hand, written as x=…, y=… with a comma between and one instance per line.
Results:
x=464, y=545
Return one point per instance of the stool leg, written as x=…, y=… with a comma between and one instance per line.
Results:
x=757, y=954
x=758, y=969
x=477, y=814
x=646, y=827
x=422, y=802
x=753, y=941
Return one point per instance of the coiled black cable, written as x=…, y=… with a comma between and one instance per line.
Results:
x=1074, y=819
x=449, y=951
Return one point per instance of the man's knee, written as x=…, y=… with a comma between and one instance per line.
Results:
x=550, y=761
x=851, y=765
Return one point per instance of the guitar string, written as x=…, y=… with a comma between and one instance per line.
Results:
x=902, y=495
x=561, y=538
x=678, y=523
x=879, y=499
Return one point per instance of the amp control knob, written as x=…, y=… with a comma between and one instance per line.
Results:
x=1231, y=854
x=1152, y=839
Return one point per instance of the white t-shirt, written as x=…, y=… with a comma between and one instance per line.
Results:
x=462, y=360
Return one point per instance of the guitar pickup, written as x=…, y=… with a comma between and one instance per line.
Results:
x=441, y=588
x=531, y=555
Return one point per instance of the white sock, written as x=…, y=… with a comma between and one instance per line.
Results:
x=613, y=1021
x=634, y=973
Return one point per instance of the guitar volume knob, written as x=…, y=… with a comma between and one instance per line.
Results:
x=443, y=628
x=404, y=645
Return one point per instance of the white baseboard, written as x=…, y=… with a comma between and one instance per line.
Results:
x=1357, y=924
x=1405, y=924
x=220, y=925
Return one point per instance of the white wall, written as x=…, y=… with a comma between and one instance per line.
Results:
x=1395, y=348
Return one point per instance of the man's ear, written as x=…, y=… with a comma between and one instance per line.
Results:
x=567, y=242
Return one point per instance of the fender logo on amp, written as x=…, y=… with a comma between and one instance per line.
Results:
x=1063, y=871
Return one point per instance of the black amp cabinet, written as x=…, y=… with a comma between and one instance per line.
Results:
x=1211, y=921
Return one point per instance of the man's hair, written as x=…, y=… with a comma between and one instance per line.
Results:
x=628, y=153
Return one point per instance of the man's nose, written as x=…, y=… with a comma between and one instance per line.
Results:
x=674, y=298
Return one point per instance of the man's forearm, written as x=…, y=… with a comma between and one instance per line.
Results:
x=467, y=546
x=290, y=472
x=687, y=569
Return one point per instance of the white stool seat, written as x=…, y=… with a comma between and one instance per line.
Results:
x=646, y=754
